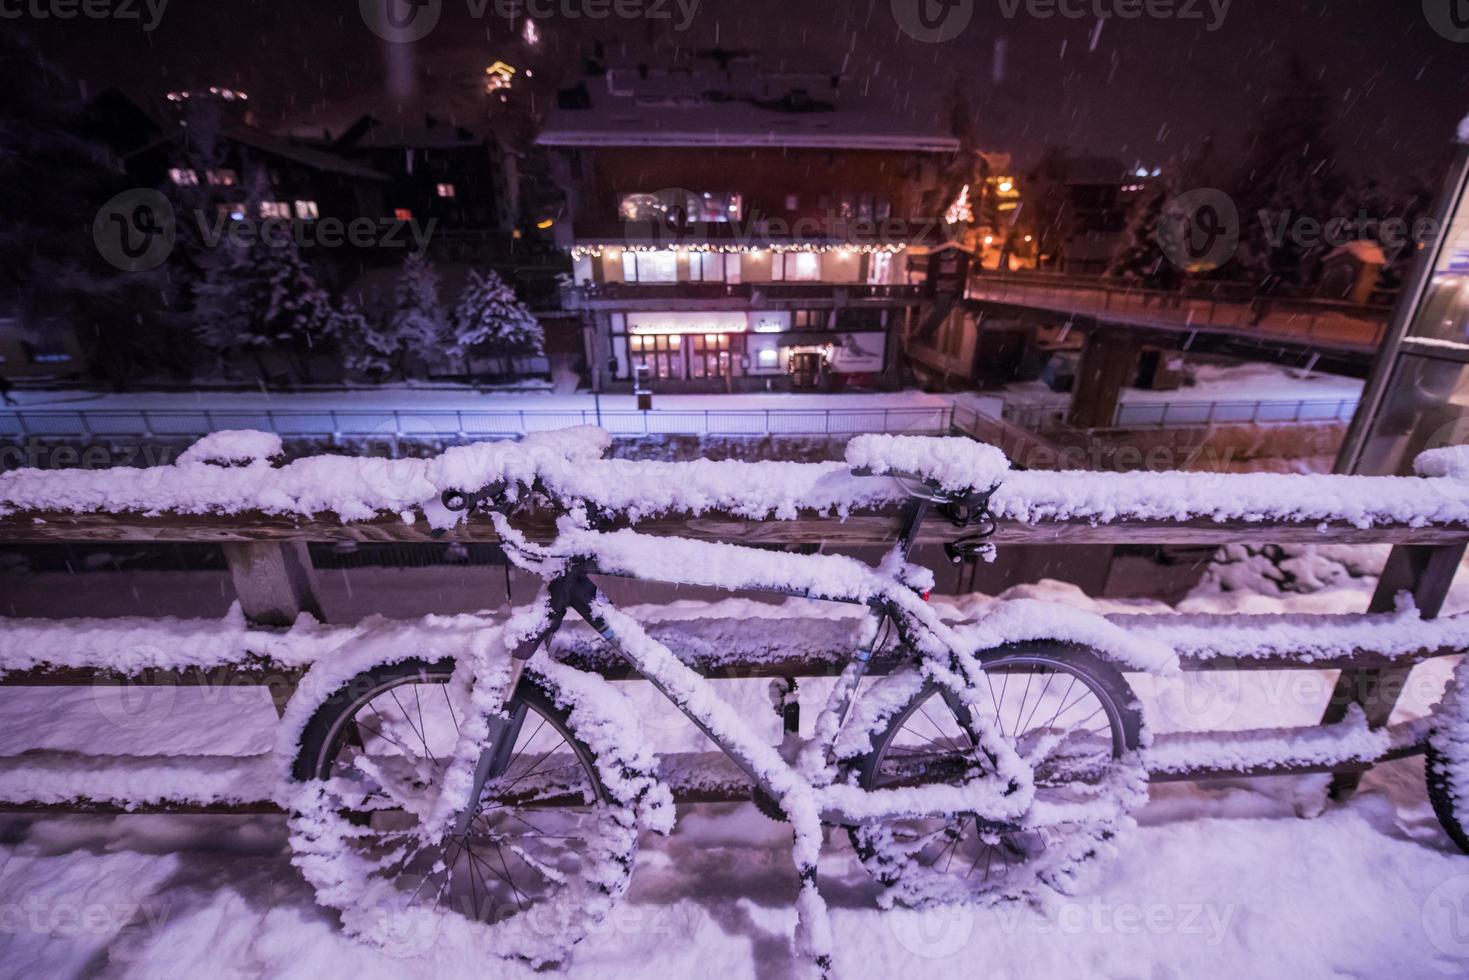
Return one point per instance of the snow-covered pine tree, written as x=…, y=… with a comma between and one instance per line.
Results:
x=415, y=325
x=366, y=345
x=1140, y=257
x=490, y=321
x=1290, y=173
x=263, y=296
x=419, y=320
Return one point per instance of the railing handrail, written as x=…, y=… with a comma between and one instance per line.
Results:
x=102, y=423
x=1215, y=411
x=1232, y=293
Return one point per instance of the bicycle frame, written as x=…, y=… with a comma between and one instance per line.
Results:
x=572, y=590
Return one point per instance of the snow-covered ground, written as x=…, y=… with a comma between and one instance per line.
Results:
x=1214, y=382
x=1244, y=879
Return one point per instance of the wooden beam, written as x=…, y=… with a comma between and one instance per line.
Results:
x=867, y=528
x=697, y=790
x=608, y=664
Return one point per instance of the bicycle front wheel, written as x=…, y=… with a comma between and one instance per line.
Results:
x=1070, y=715
x=543, y=857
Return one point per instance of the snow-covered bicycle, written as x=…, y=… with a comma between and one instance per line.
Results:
x=499, y=798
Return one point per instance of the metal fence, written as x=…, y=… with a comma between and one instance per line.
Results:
x=439, y=425
x=1179, y=414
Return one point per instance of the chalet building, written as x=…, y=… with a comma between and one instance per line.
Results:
x=1082, y=204
x=205, y=145
x=463, y=180
x=733, y=229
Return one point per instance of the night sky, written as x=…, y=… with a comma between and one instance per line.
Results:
x=1142, y=90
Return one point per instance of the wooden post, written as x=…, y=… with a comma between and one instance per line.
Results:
x=1108, y=364
x=1426, y=572
x=275, y=584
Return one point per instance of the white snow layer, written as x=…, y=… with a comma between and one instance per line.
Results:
x=567, y=463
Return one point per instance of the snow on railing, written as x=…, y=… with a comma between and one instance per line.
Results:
x=568, y=464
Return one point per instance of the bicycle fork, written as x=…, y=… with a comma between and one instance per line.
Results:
x=503, y=729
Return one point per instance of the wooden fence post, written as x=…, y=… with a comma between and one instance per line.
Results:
x=275, y=583
x=1425, y=572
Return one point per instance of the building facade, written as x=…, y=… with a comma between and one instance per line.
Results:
x=736, y=230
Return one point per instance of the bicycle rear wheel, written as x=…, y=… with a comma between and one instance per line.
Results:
x=1063, y=709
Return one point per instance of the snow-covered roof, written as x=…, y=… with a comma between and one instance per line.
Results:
x=734, y=108
x=309, y=156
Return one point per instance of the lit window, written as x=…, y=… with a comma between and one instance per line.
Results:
x=797, y=266
x=445, y=190
x=403, y=214
x=792, y=202
x=275, y=209
x=183, y=177
x=307, y=209
x=880, y=269
x=222, y=178
x=681, y=206
x=768, y=357
x=706, y=267
x=649, y=267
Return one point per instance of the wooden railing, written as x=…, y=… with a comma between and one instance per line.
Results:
x=1235, y=307
x=272, y=575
